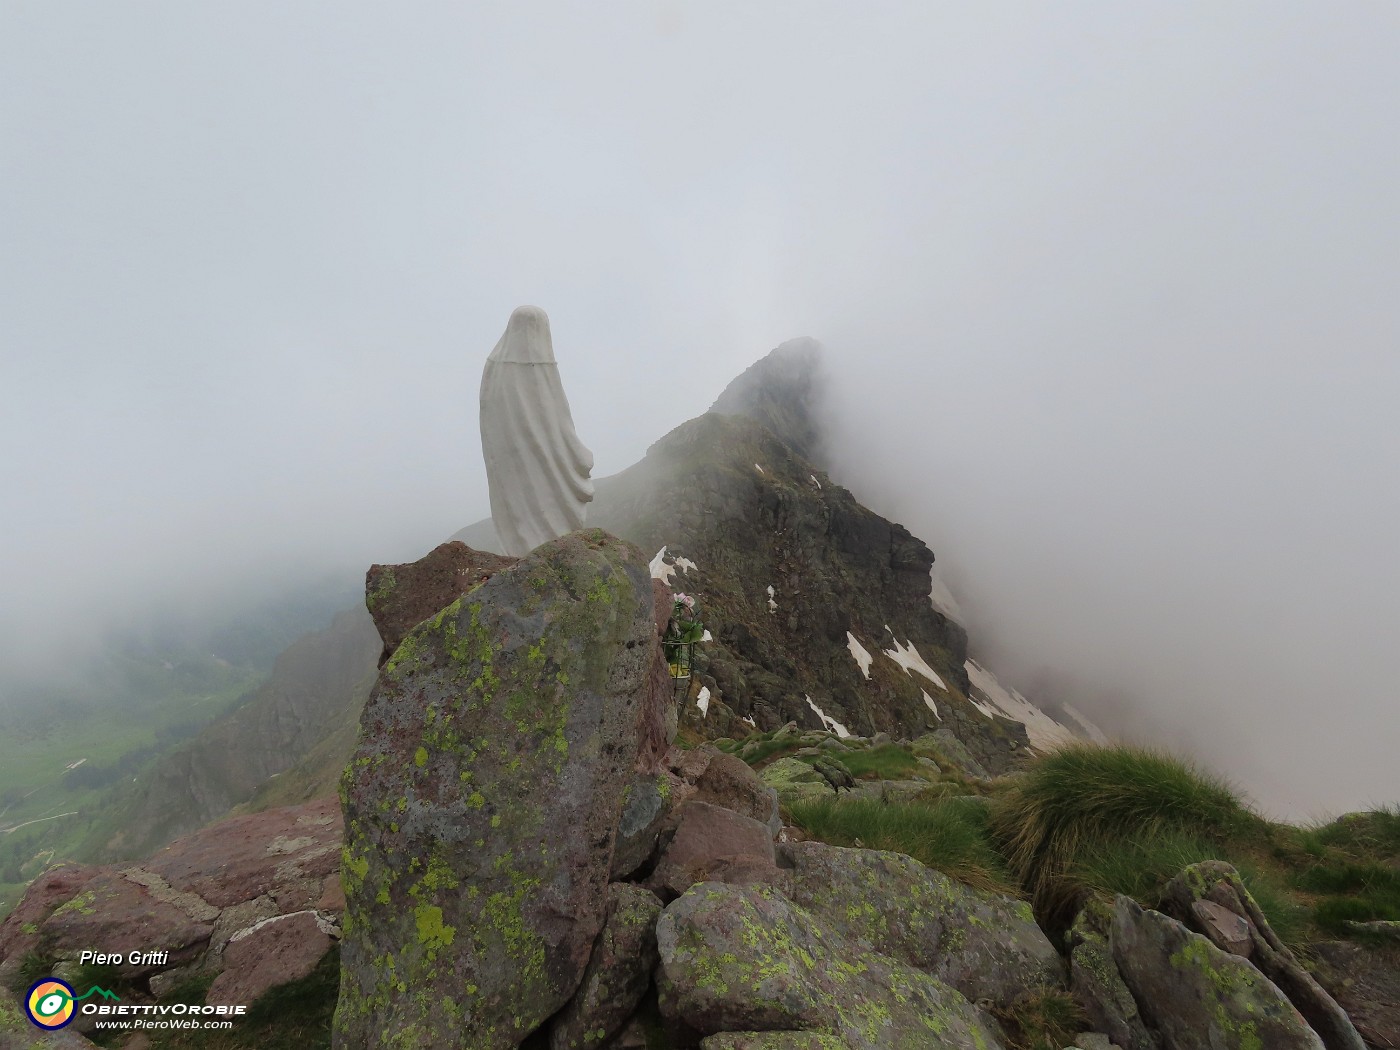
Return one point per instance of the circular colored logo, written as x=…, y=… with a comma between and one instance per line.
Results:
x=50, y=1003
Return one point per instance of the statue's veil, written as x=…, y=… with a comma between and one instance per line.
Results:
x=537, y=468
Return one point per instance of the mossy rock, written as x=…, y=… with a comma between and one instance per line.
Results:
x=986, y=945
x=483, y=797
x=1195, y=995
x=746, y=959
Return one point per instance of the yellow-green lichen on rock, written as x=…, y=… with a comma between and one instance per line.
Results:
x=1196, y=995
x=483, y=796
x=745, y=959
x=984, y=944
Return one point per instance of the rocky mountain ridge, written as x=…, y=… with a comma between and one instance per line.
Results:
x=529, y=862
x=728, y=493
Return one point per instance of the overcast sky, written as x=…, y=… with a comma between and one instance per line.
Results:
x=1111, y=291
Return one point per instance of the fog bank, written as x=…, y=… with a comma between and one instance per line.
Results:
x=1109, y=290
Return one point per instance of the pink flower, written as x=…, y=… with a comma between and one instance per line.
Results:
x=684, y=599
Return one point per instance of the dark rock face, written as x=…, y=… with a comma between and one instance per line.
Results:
x=400, y=597
x=984, y=945
x=618, y=973
x=727, y=495
x=646, y=806
x=1195, y=995
x=745, y=959
x=773, y=1041
x=483, y=798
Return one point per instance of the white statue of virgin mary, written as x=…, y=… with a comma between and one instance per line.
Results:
x=537, y=468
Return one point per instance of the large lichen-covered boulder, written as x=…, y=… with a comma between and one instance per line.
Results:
x=618, y=972
x=1197, y=996
x=483, y=797
x=985, y=945
x=746, y=959
x=1211, y=898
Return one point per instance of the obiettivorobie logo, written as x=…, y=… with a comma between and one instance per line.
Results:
x=50, y=1003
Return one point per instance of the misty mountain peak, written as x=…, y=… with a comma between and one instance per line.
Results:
x=785, y=391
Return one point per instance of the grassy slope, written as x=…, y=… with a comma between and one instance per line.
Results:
x=1102, y=820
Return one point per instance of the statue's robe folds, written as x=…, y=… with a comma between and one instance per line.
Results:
x=537, y=468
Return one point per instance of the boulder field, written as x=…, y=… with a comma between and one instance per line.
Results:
x=523, y=857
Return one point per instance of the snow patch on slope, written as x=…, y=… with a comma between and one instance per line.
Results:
x=702, y=701
x=907, y=656
x=931, y=705
x=1044, y=732
x=772, y=605
x=859, y=652
x=830, y=723
x=1092, y=731
x=660, y=570
x=942, y=598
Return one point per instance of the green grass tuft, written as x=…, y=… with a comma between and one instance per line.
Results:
x=888, y=762
x=950, y=836
x=1065, y=819
x=1043, y=1020
x=1139, y=867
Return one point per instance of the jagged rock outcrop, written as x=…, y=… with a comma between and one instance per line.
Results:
x=848, y=634
x=744, y=958
x=400, y=597
x=784, y=391
x=1196, y=996
x=1211, y=898
x=482, y=801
